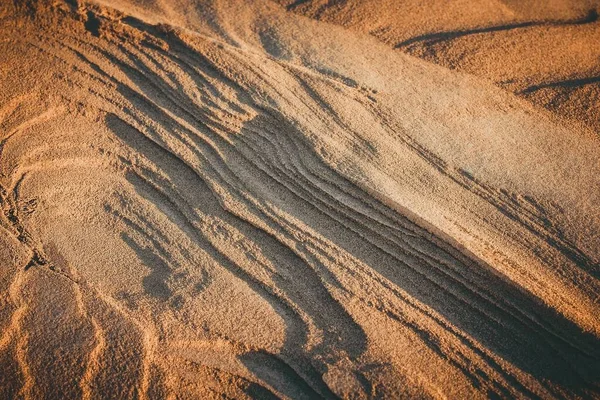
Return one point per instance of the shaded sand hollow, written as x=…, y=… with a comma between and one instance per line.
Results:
x=226, y=199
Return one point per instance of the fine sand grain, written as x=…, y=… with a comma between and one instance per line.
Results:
x=227, y=199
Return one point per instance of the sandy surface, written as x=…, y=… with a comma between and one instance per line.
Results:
x=233, y=199
x=545, y=51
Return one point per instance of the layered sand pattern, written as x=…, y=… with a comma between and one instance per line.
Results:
x=226, y=199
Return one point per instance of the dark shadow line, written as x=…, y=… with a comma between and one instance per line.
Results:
x=569, y=83
x=296, y=4
x=592, y=16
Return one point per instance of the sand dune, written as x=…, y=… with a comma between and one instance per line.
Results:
x=544, y=51
x=225, y=199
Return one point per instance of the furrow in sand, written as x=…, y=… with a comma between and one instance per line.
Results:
x=429, y=255
x=190, y=229
x=283, y=377
x=420, y=255
x=293, y=311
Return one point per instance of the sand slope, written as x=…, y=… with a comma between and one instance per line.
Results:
x=547, y=52
x=224, y=199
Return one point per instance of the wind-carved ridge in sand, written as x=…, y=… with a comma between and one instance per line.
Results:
x=192, y=210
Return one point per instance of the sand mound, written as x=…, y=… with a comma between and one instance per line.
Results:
x=225, y=199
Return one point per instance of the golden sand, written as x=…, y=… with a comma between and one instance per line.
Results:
x=258, y=199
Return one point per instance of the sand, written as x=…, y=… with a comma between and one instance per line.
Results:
x=232, y=199
x=544, y=51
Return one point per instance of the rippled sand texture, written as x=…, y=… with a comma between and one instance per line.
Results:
x=224, y=199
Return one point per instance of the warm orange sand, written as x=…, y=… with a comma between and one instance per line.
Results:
x=246, y=199
x=547, y=51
